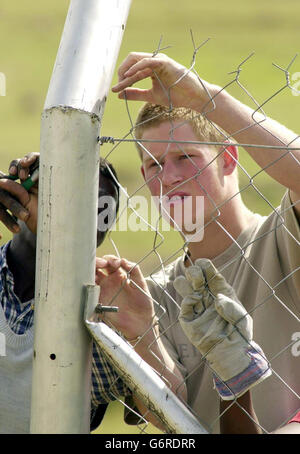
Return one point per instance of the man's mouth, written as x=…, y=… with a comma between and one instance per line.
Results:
x=175, y=198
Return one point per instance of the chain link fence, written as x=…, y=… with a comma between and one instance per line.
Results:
x=262, y=262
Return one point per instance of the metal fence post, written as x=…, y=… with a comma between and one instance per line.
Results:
x=68, y=194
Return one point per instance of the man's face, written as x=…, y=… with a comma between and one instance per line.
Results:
x=185, y=171
x=107, y=207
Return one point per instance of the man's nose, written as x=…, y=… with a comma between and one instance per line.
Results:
x=171, y=173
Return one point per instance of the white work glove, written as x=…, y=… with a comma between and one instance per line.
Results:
x=219, y=326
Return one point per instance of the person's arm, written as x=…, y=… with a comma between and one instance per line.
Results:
x=123, y=285
x=292, y=427
x=97, y=416
x=217, y=324
x=240, y=122
x=174, y=85
x=18, y=212
x=239, y=417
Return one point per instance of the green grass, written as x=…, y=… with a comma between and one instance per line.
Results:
x=30, y=33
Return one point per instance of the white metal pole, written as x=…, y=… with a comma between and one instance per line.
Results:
x=68, y=194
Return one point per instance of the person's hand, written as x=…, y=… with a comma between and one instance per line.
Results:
x=23, y=167
x=172, y=84
x=16, y=203
x=218, y=325
x=122, y=284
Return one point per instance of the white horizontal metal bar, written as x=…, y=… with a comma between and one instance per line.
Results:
x=144, y=381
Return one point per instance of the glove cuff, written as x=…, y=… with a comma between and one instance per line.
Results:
x=257, y=371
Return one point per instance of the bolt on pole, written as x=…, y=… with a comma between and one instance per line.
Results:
x=67, y=216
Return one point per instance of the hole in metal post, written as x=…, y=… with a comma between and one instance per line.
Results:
x=53, y=356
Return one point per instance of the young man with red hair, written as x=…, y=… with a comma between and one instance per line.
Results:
x=180, y=131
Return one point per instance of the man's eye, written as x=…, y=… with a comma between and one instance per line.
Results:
x=188, y=156
x=153, y=164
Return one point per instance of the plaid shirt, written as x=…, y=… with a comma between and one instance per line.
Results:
x=106, y=384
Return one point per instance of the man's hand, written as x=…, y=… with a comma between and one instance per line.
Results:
x=15, y=202
x=219, y=326
x=123, y=285
x=24, y=166
x=172, y=84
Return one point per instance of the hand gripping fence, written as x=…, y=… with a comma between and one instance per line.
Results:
x=143, y=380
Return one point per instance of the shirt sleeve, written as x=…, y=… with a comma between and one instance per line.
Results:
x=6, y=278
x=288, y=237
x=107, y=385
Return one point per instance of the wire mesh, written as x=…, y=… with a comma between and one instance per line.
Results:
x=261, y=262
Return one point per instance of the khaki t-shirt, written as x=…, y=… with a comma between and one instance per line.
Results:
x=263, y=267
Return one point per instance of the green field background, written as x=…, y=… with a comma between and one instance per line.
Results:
x=30, y=33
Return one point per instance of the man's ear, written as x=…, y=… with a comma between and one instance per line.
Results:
x=143, y=171
x=230, y=158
